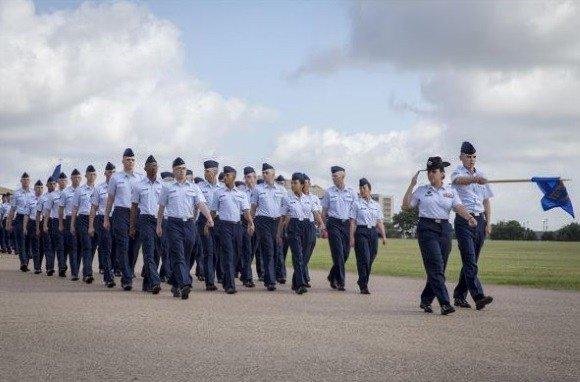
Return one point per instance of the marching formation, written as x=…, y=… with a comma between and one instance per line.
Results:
x=222, y=226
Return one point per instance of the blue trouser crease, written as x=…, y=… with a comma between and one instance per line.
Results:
x=104, y=246
x=151, y=245
x=365, y=248
x=181, y=236
x=298, y=240
x=266, y=228
x=230, y=244
x=338, y=239
x=470, y=241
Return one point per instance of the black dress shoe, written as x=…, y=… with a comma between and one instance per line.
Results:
x=482, y=302
x=301, y=290
x=185, y=292
x=37, y=272
x=210, y=287
x=111, y=284
x=74, y=278
x=127, y=287
x=426, y=307
x=332, y=283
x=155, y=289
x=175, y=291
x=90, y=279
x=61, y=273
x=462, y=303
x=307, y=285
x=271, y=288
x=446, y=309
x=249, y=284
x=50, y=273
x=231, y=291
x=281, y=281
x=24, y=268
x=364, y=290
x=340, y=288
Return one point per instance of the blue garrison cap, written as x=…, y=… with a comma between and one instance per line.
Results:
x=166, y=174
x=248, y=170
x=266, y=166
x=150, y=159
x=178, y=162
x=197, y=180
x=188, y=172
x=109, y=166
x=297, y=176
x=229, y=169
x=306, y=177
x=24, y=176
x=38, y=183
x=75, y=172
x=364, y=181
x=128, y=152
x=90, y=168
x=210, y=164
x=280, y=178
x=62, y=176
x=467, y=148
x=334, y=169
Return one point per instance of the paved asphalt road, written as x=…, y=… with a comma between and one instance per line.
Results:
x=57, y=329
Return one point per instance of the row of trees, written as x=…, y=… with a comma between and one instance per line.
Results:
x=405, y=224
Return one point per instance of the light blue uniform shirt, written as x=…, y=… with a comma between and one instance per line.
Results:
x=52, y=203
x=208, y=190
x=316, y=206
x=99, y=198
x=82, y=199
x=40, y=206
x=472, y=195
x=121, y=186
x=32, y=203
x=338, y=203
x=268, y=199
x=366, y=212
x=295, y=207
x=146, y=195
x=20, y=200
x=180, y=199
x=433, y=203
x=229, y=204
x=66, y=199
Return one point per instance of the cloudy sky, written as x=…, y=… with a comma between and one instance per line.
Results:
x=375, y=86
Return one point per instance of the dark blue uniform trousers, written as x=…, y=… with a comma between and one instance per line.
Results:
x=57, y=240
x=280, y=259
x=151, y=244
x=470, y=241
x=35, y=250
x=121, y=216
x=230, y=238
x=298, y=241
x=19, y=239
x=338, y=239
x=435, y=244
x=165, y=269
x=86, y=245
x=209, y=250
x=47, y=248
x=4, y=242
x=266, y=228
x=311, y=232
x=247, y=251
x=104, y=245
x=181, y=236
x=365, y=248
x=71, y=248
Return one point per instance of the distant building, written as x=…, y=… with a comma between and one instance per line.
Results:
x=386, y=202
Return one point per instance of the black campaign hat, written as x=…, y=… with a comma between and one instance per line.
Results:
x=210, y=164
x=178, y=162
x=334, y=169
x=467, y=148
x=434, y=163
x=128, y=152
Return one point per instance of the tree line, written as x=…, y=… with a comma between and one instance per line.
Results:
x=404, y=225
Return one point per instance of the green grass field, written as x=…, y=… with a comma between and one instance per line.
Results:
x=549, y=265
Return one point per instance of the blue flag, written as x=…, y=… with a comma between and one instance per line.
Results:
x=555, y=194
x=56, y=173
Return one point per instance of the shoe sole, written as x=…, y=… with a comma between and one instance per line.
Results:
x=185, y=293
